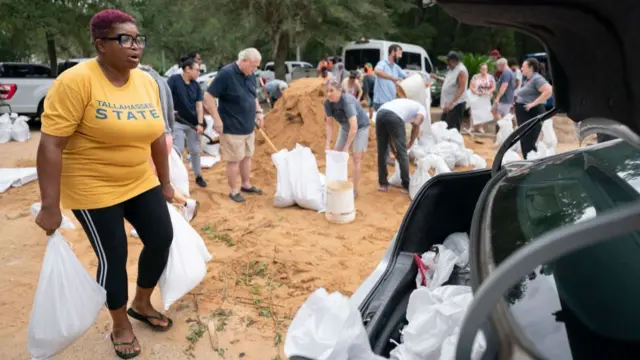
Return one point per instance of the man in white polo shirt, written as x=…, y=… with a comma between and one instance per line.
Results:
x=390, y=129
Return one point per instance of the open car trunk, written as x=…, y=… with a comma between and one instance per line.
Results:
x=443, y=206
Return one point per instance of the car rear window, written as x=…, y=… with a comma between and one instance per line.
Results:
x=24, y=71
x=358, y=58
x=583, y=303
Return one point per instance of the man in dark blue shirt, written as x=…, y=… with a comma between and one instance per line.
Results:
x=235, y=117
x=187, y=100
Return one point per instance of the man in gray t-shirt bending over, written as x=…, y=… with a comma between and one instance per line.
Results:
x=354, y=126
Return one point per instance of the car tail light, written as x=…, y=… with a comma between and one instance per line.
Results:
x=7, y=91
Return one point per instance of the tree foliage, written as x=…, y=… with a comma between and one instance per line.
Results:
x=50, y=29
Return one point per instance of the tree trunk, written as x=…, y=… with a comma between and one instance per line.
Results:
x=281, y=52
x=51, y=51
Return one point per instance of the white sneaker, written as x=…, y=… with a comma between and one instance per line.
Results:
x=134, y=233
x=190, y=210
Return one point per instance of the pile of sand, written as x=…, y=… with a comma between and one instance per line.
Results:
x=298, y=117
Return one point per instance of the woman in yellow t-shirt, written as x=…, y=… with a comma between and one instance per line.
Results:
x=102, y=121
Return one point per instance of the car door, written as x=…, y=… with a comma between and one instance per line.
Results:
x=580, y=306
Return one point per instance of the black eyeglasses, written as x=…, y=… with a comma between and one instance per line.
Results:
x=127, y=41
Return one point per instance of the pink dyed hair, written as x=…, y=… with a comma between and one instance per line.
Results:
x=102, y=22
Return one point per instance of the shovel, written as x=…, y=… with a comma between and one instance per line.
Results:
x=264, y=135
x=186, y=123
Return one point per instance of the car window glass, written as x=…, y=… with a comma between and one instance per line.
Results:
x=427, y=66
x=358, y=58
x=582, y=304
x=410, y=61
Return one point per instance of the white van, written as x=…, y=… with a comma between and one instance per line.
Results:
x=357, y=53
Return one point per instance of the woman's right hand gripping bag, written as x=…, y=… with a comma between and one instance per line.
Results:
x=67, y=301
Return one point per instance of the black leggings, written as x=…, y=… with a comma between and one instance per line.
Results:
x=104, y=227
x=528, y=141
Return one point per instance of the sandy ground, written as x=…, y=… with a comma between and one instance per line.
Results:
x=266, y=262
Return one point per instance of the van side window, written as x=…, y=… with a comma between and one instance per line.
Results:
x=410, y=61
x=427, y=66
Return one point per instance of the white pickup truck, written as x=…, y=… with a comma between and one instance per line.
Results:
x=23, y=88
x=268, y=73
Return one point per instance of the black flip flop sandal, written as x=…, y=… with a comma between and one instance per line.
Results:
x=251, y=190
x=145, y=319
x=126, y=355
x=237, y=198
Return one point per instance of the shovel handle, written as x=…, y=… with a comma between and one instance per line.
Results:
x=186, y=123
x=273, y=147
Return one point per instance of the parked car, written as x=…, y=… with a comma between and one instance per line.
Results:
x=23, y=87
x=268, y=73
x=69, y=63
x=544, y=287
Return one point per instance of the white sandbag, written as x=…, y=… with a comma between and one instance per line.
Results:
x=67, y=301
x=505, y=129
x=433, y=315
x=426, y=141
x=16, y=177
x=337, y=165
x=549, y=137
x=284, y=189
x=477, y=161
x=20, y=130
x=421, y=175
x=305, y=178
x=449, y=345
x=510, y=156
x=186, y=266
x=479, y=108
x=328, y=327
x=395, y=179
x=210, y=149
x=178, y=174
x=439, y=266
x=5, y=128
x=447, y=151
x=541, y=152
x=438, y=130
x=454, y=136
x=459, y=244
x=416, y=152
x=207, y=162
x=66, y=222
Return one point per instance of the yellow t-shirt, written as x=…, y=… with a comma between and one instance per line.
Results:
x=110, y=131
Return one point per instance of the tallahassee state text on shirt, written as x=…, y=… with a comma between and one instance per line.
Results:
x=146, y=111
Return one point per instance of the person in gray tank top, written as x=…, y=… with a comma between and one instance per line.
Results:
x=354, y=126
x=454, y=88
x=530, y=100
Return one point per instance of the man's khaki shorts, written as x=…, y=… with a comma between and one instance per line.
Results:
x=236, y=147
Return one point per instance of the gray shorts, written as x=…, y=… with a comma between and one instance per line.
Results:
x=360, y=142
x=503, y=109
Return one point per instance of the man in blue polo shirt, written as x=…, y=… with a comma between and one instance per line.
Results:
x=235, y=118
x=388, y=73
